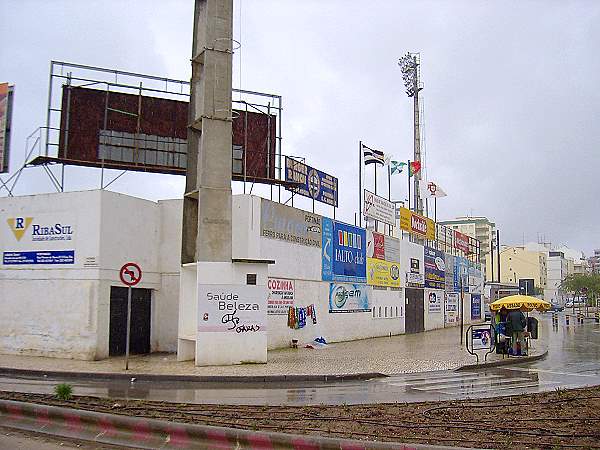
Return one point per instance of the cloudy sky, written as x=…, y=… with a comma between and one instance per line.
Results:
x=510, y=94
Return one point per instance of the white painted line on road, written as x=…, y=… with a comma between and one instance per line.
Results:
x=497, y=389
x=492, y=383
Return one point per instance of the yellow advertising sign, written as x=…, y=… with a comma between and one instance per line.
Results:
x=383, y=273
x=417, y=224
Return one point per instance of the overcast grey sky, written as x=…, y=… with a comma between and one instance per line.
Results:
x=511, y=94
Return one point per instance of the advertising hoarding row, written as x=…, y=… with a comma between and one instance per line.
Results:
x=310, y=182
x=344, y=256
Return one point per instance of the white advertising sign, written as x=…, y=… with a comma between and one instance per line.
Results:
x=451, y=307
x=232, y=308
x=38, y=239
x=379, y=208
x=415, y=278
x=435, y=302
x=281, y=296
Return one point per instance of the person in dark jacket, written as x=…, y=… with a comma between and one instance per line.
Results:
x=517, y=324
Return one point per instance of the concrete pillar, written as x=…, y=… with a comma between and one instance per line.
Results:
x=207, y=202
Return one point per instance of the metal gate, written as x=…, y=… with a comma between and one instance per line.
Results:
x=140, y=321
x=415, y=311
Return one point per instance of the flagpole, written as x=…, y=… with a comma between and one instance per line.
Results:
x=375, y=171
x=389, y=191
x=409, y=184
x=359, y=183
x=435, y=209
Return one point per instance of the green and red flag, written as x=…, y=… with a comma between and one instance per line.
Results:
x=414, y=167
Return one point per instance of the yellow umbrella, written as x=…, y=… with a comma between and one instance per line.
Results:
x=522, y=302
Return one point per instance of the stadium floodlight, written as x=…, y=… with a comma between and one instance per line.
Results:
x=409, y=66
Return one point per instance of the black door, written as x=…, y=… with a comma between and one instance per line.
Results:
x=140, y=321
x=415, y=311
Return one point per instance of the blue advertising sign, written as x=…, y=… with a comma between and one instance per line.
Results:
x=348, y=298
x=475, y=306
x=39, y=257
x=461, y=267
x=435, y=268
x=327, y=249
x=349, y=253
x=311, y=182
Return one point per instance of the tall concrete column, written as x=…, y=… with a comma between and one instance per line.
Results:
x=207, y=201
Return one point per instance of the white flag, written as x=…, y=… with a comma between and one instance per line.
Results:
x=430, y=189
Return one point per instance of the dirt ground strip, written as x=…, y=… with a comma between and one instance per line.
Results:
x=558, y=419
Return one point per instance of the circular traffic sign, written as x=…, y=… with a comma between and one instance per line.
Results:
x=130, y=274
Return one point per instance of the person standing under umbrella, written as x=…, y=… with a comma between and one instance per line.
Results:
x=517, y=323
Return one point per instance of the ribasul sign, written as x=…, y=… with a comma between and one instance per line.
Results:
x=416, y=224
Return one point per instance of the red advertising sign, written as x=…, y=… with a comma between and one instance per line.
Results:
x=418, y=224
x=461, y=241
x=379, y=246
x=130, y=274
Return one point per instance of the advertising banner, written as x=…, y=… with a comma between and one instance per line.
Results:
x=417, y=224
x=375, y=245
x=383, y=273
x=392, y=249
x=232, y=308
x=348, y=298
x=281, y=296
x=475, y=306
x=481, y=338
x=461, y=241
x=39, y=239
x=347, y=254
x=461, y=267
x=379, y=208
x=312, y=182
x=435, y=302
x=327, y=250
x=435, y=269
x=288, y=224
x=452, y=300
x=449, y=272
x=5, y=100
x=475, y=279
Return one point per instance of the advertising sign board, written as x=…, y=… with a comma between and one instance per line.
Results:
x=312, y=182
x=475, y=306
x=40, y=239
x=481, y=338
x=289, y=224
x=346, y=258
x=449, y=259
x=375, y=245
x=383, y=273
x=461, y=267
x=379, y=208
x=451, y=315
x=461, y=241
x=417, y=224
x=348, y=298
x=392, y=248
x=281, y=296
x=435, y=268
x=435, y=302
x=232, y=308
x=6, y=93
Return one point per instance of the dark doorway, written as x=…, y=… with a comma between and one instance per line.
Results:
x=140, y=321
x=415, y=311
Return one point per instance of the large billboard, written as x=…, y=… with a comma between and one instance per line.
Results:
x=6, y=94
x=379, y=208
x=310, y=182
x=417, y=224
x=344, y=252
x=383, y=273
x=144, y=133
x=288, y=224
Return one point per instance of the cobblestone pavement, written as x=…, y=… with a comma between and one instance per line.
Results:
x=433, y=350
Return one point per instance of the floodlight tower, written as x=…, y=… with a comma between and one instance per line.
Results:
x=409, y=66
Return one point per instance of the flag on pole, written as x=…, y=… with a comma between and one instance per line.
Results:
x=414, y=167
x=373, y=156
x=396, y=167
x=431, y=189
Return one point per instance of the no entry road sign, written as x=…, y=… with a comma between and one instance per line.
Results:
x=130, y=274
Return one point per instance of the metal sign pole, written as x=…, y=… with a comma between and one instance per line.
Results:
x=128, y=328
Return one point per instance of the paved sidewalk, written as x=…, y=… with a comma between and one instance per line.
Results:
x=433, y=350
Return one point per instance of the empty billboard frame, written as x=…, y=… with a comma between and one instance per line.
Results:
x=129, y=121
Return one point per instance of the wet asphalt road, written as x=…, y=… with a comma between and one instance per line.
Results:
x=573, y=361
